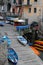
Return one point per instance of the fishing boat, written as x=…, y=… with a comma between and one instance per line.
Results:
x=38, y=45
x=19, y=22
x=11, y=19
x=39, y=42
x=12, y=56
x=2, y=23
x=22, y=40
x=1, y=18
x=22, y=27
x=5, y=38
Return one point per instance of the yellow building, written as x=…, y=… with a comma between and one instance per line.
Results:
x=32, y=10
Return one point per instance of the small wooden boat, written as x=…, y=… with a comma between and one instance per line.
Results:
x=22, y=27
x=39, y=42
x=22, y=40
x=12, y=56
x=1, y=18
x=38, y=45
x=11, y=18
x=5, y=38
x=2, y=23
x=40, y=49
x=35, y=50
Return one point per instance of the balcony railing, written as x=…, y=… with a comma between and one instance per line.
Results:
x=23, y=4
x=18, y=5
x=26, y=3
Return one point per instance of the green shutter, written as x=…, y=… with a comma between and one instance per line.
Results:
x=14, y=1
x=29, y=10
x=1, y=2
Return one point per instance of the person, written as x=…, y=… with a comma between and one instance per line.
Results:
x=35, y=32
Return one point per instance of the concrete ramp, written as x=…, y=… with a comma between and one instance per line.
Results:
x=25, y=53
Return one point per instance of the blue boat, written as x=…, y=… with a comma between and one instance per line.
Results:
x=5, y=38
x=22, y=27
x=1, y=40
x=10, y=18
x=12, y=56
x=2, y=23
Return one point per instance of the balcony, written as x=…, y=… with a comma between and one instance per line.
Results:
x=27, y=4
x=18, y=5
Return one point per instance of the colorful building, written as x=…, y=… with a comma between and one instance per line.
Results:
x=17, y=7
x=33, y=10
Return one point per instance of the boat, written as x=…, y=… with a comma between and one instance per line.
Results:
x=19, y=22
x=11, y=18
x=38, y=42
x=22, y=40
x=5, y=38
x=12, y=56
x=22, y=27
x=38, y=45
x=1, y=18
x=2, y=23
x=40, y=49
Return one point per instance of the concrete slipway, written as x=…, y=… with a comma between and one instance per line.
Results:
x=25, y=53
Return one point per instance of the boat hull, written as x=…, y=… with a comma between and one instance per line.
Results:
x=12, y=56
x=22, y=40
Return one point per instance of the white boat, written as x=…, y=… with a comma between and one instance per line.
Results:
x=1, y=18
x=22, y=40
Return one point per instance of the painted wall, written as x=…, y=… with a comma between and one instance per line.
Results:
x=33, y=16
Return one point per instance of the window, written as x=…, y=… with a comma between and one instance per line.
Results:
x=1, y=2
x=28, y=2
x=29, y=10
x=35, y=10
x=35, y=0
x=14, y=1
x=20, y=2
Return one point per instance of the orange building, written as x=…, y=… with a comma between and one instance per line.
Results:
x=33, y=10
x=18, y=8
x=30, y=9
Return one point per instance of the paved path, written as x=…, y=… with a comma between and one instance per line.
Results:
x=25, y=53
